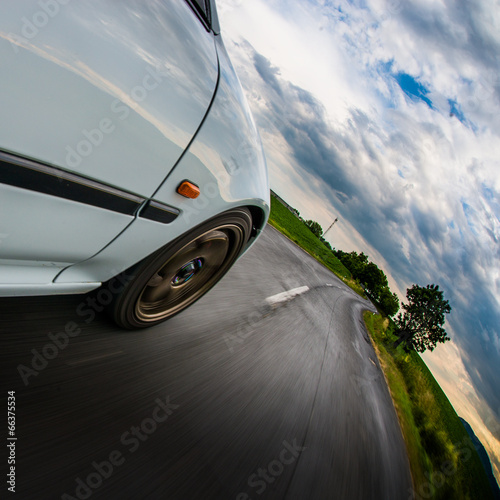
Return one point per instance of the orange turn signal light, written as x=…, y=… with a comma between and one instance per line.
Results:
x=188, y=189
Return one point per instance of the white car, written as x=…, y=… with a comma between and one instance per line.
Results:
x=129, y=159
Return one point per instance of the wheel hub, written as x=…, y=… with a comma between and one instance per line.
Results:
x=187, y=271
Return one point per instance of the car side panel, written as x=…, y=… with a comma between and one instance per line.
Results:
x=227, y=163
x=110, y=91
x=40, y=235
x=113, y=91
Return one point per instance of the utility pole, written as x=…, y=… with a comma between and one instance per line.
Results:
x=331, y=225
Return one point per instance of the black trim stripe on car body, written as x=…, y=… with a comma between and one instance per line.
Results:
x=34, y=176
x=159, y=212
x=27, y=174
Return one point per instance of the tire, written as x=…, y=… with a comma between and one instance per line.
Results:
x=177, y=275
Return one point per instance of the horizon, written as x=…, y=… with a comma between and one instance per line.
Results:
x=386, y=115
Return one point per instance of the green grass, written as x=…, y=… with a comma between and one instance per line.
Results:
x=293, y=228
x=443, y=460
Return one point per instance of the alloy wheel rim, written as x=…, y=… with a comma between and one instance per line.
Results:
x=189, y=273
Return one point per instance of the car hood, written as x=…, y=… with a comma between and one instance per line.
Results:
x=113, y=91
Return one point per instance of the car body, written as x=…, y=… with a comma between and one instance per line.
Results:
x=106, y=109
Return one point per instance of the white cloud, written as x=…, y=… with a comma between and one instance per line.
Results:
x=416, y=187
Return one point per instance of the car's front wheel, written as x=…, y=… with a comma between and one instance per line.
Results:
x=178, y=274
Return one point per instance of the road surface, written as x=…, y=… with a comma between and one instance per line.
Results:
x=236, y=398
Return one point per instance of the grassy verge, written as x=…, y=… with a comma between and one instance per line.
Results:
x=443, y=460
x=293, y=228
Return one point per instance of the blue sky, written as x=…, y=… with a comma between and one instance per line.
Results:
x=386, y=114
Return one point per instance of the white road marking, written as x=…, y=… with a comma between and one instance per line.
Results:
x=279, y=298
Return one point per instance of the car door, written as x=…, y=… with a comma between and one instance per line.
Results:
x=98, y=101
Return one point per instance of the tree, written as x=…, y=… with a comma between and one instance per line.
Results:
x=388, y=302
x=326, y=243
x=421, y=325
x=373, y=278
x=354, y=262
x=315, y=228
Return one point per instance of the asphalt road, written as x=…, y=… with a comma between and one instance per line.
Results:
x=231, y=399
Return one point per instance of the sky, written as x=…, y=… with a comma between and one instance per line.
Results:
x=386, y=114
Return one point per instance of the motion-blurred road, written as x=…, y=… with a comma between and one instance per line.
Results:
x=231, y=399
